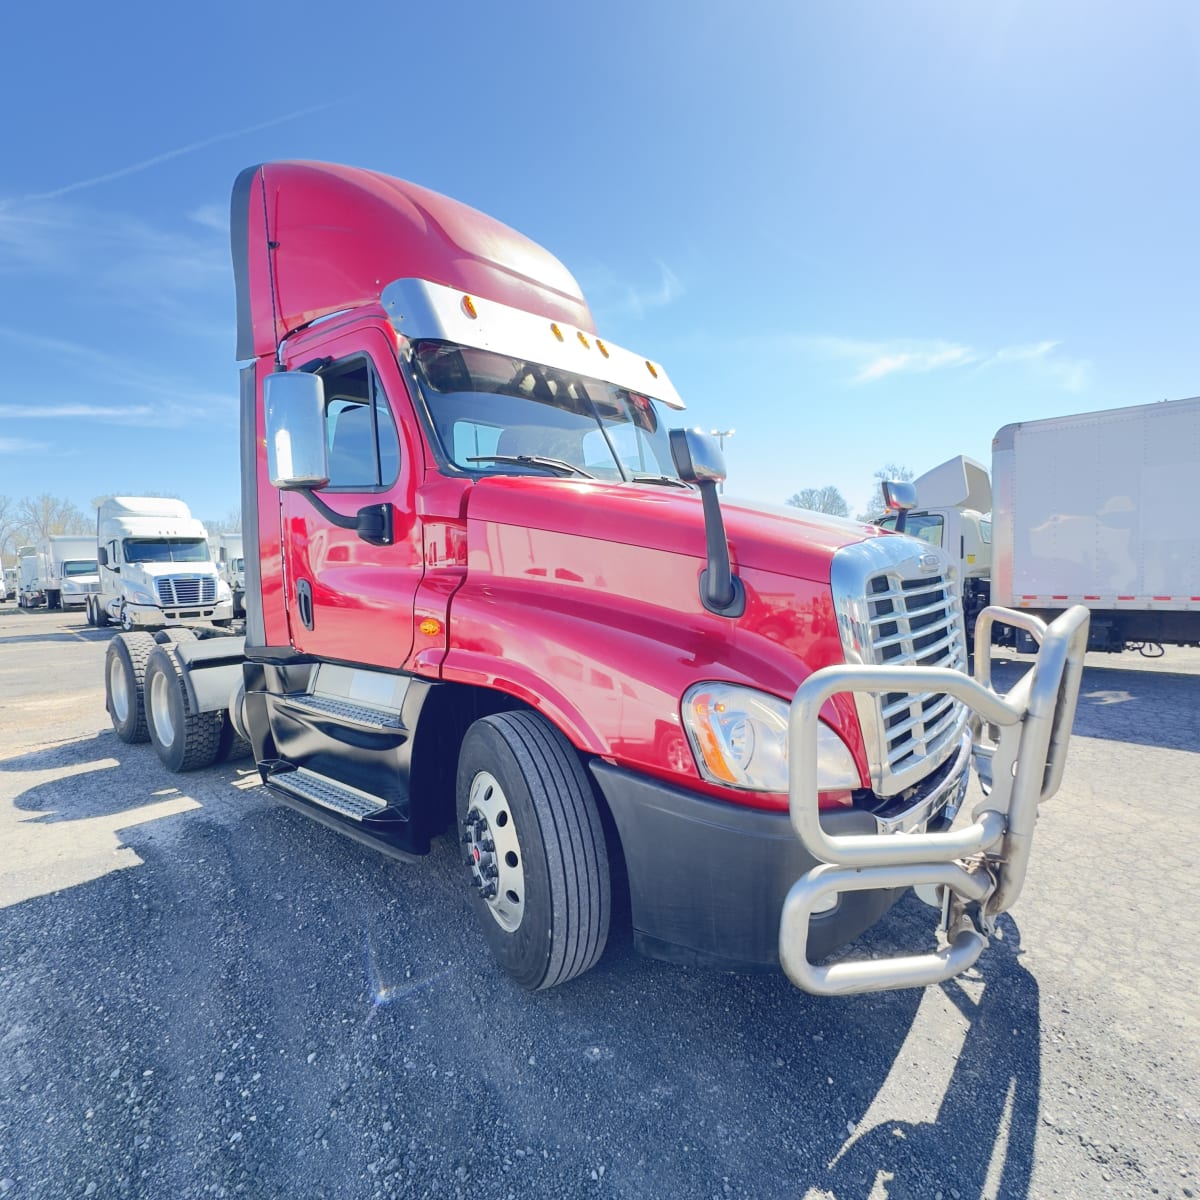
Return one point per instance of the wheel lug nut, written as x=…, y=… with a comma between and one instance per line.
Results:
x=487, y=844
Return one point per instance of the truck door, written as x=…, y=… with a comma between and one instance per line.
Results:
x=348, y=599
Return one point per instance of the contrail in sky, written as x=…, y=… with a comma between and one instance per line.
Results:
x=121, y=172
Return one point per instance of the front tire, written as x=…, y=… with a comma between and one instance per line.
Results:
x=184, y=740
x=124, y=675
x=535, y=849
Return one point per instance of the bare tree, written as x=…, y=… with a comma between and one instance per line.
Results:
x=8, y=528
x=231, y=522
x=45, y=515
x=889, y=471
x=823, y=500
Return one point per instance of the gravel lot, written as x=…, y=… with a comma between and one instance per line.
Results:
x=203, y=993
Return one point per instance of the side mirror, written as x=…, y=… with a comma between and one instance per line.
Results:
x=899, y=497
x=697, y=456
x=102, y=556
x=295, y=421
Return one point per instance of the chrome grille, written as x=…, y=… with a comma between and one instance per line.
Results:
x=898, y=605
x=177, y=590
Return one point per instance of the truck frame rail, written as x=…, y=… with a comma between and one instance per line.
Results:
x=1019, y=744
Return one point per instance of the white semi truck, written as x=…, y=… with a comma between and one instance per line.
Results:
x=155, y=567
x=1091, y=509
x=31, y=570
x=69, y=563
x=231, y=565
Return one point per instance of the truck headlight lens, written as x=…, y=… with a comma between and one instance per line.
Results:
x=135, y=593
x=223, y=592
x=740, y=739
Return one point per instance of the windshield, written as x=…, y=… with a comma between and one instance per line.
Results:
x=498, y=414
x=153, y=550
x=79, y=566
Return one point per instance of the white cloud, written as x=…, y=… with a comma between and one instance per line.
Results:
x=212, y=216
x=20, y=446
x=871, y=361
x=610, y=296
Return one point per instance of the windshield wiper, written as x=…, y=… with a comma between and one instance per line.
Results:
x=536, y=460
x=666, y=480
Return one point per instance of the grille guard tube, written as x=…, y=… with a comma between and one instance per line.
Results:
x=1019, y=741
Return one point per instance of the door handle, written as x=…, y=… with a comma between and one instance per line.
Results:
x=304, y=602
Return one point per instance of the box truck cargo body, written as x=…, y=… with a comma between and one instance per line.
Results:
x=1098, y=509
x=71, y=573
x=1093, y=509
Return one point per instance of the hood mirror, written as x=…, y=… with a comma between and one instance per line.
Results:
x=899, y=497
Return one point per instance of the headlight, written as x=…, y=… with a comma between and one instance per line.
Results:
x=740, y=739
x=137, y=593
x=223, y=592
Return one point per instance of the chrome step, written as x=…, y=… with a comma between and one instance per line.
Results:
x=328, y=793
x=346, y=712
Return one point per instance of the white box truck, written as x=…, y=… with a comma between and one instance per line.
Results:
x=155, y=567
x=231, y=565
x=1091, y=509
x=71, y=575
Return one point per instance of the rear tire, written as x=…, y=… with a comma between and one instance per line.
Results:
x=535, y=849
x=124, y=676
x=184, y=740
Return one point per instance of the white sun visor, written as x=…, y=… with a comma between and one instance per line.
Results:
x=419, y=309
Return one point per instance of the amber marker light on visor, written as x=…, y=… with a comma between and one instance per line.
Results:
x=558, y=333
x=583, y=339
x=651, y=368
x=602, y=347
x=469, y=307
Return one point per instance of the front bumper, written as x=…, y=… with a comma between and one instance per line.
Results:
x=708, y=880
x=149, y=616
x=1019, y=743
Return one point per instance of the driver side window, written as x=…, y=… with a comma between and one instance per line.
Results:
x=361, y=441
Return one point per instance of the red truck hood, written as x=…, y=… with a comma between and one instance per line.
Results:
x=786, y=541
x=583, y=599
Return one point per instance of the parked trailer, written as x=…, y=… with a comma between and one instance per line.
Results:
x=492, y=594
x=1091, y=509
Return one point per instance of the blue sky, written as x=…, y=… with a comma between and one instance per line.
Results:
x=856, y=232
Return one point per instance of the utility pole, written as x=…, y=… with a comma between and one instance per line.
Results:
x=721, y=435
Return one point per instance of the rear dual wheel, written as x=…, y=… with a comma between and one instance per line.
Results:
x=183, y=739
x=534, y=849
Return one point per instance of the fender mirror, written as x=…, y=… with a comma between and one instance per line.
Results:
x=899, y=497
x=294, y=405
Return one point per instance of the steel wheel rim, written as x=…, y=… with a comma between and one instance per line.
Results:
x=160, y=709
x=494, y=852
x=118, y=689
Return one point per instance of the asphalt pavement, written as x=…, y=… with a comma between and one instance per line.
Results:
x=202, y=993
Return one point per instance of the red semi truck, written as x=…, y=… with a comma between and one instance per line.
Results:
x=491, y=592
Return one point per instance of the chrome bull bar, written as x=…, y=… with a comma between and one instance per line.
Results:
x=1019, y=746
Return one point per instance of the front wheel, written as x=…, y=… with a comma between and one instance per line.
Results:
x=184, y=740
x=534, y=849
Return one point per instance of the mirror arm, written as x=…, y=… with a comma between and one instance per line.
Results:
x=720, y=590
x=373, y=523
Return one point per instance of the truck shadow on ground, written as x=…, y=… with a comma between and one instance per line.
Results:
x=261, y=1004
x=1148, y=708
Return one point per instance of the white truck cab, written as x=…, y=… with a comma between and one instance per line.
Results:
x=231, y=565
x=70, y=564
x=953, y=512
x=155, y=567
